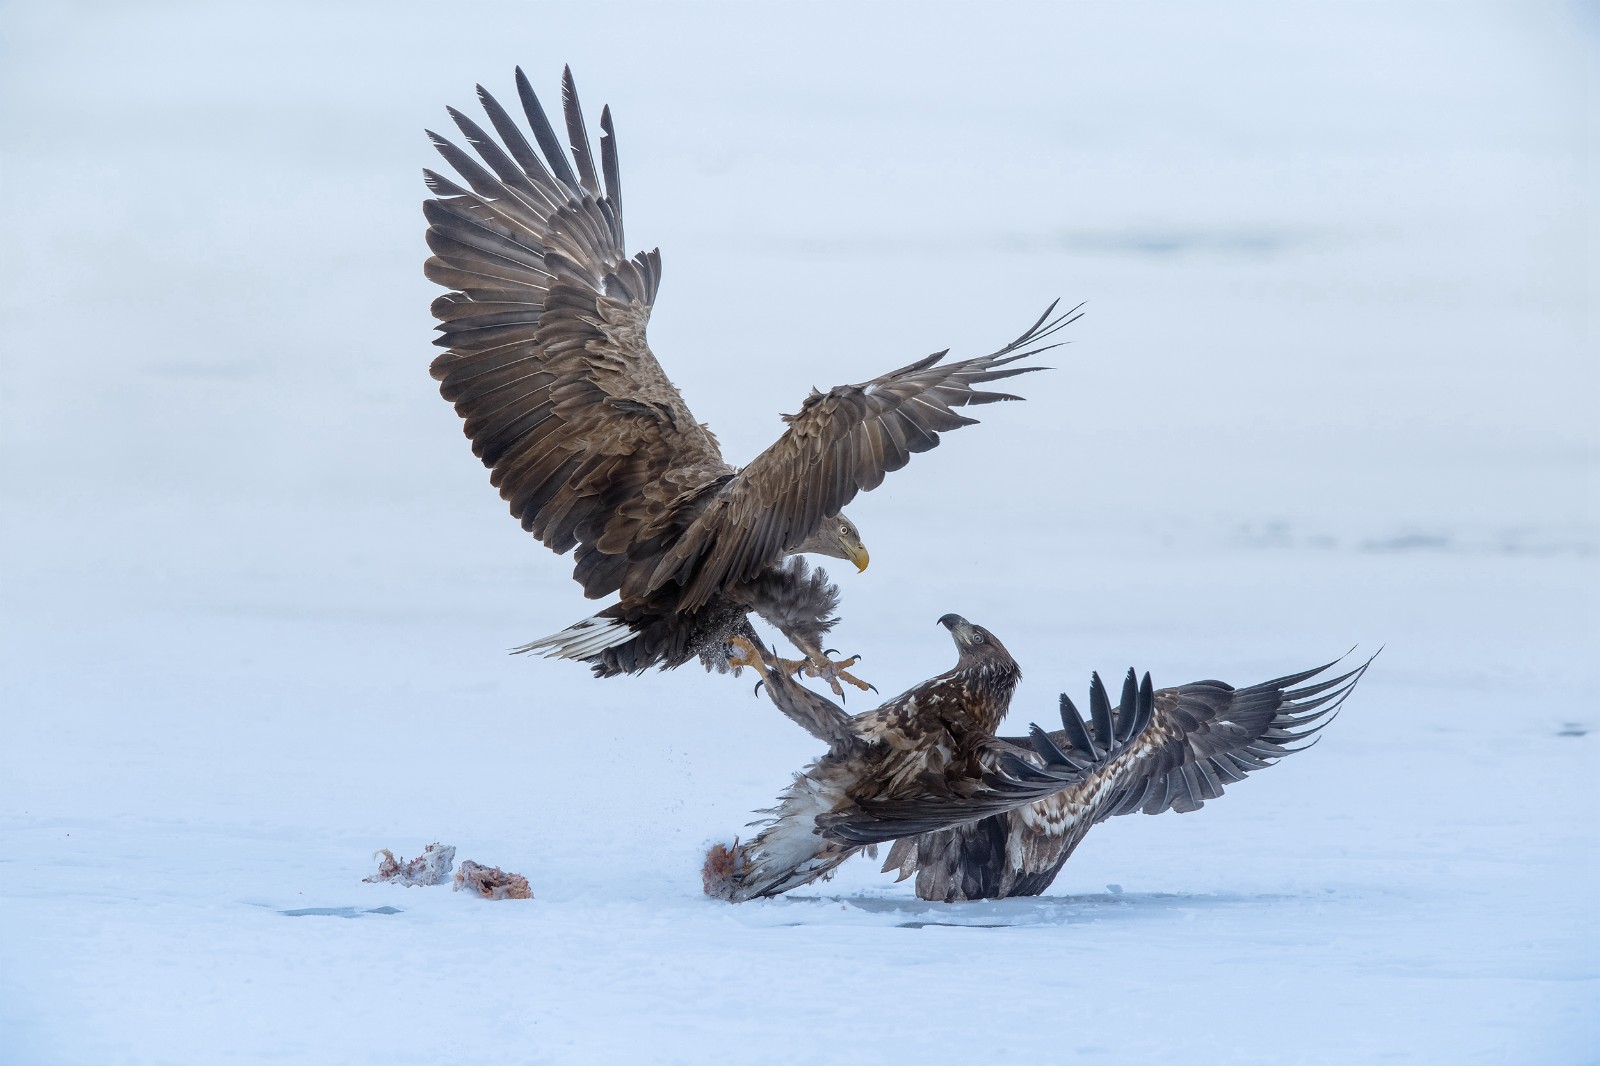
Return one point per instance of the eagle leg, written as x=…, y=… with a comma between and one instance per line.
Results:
x=743, y=652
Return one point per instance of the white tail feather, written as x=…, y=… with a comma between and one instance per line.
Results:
x=789, y=852
x=581, y=640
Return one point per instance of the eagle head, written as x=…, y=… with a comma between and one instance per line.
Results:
x=984, y=676
x=835, y=536
x=975, y=643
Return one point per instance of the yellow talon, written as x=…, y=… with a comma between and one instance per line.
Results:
x=833, y=672
x=742, y=653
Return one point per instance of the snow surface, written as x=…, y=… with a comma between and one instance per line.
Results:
x=1335, y=385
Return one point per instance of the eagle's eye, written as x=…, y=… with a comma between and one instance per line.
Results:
x=977, y=636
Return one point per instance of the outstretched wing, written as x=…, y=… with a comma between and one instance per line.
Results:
x=1016, y=772
x=840, y=443
x=587, y=440
x=1200, y=738
x=1207, y=735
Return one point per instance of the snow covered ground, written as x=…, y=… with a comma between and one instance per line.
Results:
x=1336, y=384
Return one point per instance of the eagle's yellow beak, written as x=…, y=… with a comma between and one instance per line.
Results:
x=858, y=555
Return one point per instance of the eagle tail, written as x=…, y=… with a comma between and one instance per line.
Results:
x=585, y=639
x=785, y=854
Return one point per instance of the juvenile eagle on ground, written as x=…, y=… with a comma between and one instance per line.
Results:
x=593, y=447
x=977, y=816
x=927, y=743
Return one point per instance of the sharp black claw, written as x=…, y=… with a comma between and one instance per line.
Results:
x=874, y=689
x=830, y=651
x=757, y=690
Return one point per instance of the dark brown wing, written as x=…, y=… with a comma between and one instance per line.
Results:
x=588, y=441
x=840, y=443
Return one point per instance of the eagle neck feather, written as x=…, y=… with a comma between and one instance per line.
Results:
x=993, y=683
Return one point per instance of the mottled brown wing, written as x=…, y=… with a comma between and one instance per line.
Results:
x=841, y=442
x=1016, y=772
x=1201, y=737
x=1207, y=735
x=587, y=440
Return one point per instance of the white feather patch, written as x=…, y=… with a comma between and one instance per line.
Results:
x=582, y=640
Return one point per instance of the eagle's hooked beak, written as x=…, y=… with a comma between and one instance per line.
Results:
x=836, y=538
x=963, y=632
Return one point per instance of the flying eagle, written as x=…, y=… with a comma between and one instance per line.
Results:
x=1200, y=737
x=979, y=816
x=593, y=447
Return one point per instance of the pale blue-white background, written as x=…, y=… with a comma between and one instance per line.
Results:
x=1336, y=384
